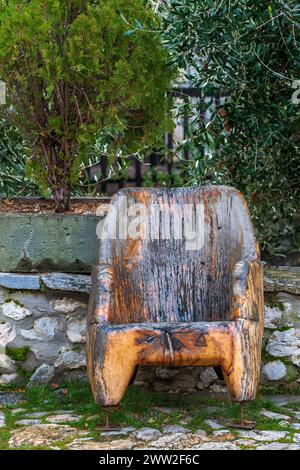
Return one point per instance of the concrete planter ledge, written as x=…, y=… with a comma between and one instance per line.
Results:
x=36, y=243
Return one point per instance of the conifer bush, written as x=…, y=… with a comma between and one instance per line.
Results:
x=74, y=74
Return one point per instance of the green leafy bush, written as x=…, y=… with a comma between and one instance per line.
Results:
x=13, y=156
x=249, y=52
x=74, y=75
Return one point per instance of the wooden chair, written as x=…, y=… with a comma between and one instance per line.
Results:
x=163, y=302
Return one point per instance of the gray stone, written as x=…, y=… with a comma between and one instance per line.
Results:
x=63, y=418
x=273, y=316
x=70, y=359
x=296, y=360
x=7, y=334
x=37, y=414
x=263, y=435
x=44, y=329
x=175, y=429
x=278, y=446
x=296, y=437
x=20, y=281
x=28, y=422
x=118, y=444
x=200, y=432
x=15, y=311
x=186, y=420
x=76, y=330
x=213, y=424
x=275, y=370
x=2, y=420
x=218, y=388
x=18, y=410
x=283, y=400
x=249, y=443
x=291, y=304
x=207, y=377
x=43, y=435
x=166, y=410
x=6, y=379
x=221, y=432
x=165, y=374
x=284, y=343
x=271, y=415
x=63, y=412
x=146, y=434
x=122, y=432
x=282, y=279
x=296, y=414
x=169, y=441
x=216, y=446
x=295, y=426
x=10, y=398
x=7, y=365
x=67, y=282
x=42, y=375
x=67, y=305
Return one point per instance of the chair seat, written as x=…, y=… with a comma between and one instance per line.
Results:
x=173, y=344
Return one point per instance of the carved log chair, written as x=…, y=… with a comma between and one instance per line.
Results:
x=162, y=301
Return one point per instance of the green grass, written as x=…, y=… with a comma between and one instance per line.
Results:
x=139, y=408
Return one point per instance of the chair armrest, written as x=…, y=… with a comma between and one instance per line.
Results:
x=248, y=291
x=100, y=303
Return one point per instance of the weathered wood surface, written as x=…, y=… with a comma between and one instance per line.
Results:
x=155, y=302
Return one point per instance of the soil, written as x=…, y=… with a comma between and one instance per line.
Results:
x=80, y=206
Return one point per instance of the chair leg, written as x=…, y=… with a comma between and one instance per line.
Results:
x=242, y=373
x=111, y=367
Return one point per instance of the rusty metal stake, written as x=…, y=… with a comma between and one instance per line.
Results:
x=242, y=409
x=107, y=426
x=243, y=424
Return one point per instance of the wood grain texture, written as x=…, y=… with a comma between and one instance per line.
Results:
x=155, y=302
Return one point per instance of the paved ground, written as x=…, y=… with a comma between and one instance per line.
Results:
x=23, y=426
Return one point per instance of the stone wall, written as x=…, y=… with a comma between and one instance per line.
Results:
x=42, y=333
x=42, y=327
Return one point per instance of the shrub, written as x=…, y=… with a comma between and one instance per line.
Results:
x=13, y=155
x=247, y=51
x=75, y=74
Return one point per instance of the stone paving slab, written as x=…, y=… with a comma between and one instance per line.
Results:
x=10, y=398
x=43, y=435
x=60, y=429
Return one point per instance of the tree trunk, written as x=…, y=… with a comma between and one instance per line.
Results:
x=62, y=198
x=58, y=170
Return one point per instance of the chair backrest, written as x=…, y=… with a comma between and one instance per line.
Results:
x=160, y=272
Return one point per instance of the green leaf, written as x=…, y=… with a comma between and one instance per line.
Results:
x=130, y=32
x=138, y=24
